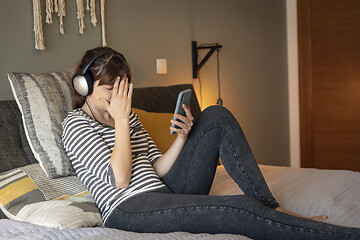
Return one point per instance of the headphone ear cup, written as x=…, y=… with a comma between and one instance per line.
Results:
x=83, y=84
x=89, y=82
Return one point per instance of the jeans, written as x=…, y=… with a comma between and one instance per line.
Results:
x=185, y=206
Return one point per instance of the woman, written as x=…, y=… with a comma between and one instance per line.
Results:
x=138, y=189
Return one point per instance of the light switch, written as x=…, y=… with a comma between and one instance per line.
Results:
x=161, y=66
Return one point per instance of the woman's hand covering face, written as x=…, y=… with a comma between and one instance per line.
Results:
x=120, y=105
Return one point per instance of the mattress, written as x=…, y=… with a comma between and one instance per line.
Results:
x=308, y=192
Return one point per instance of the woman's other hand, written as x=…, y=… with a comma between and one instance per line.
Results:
x=166, y=161
x=120, y=104
x=185, y=127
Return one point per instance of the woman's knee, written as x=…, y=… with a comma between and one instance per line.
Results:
x=218, y=112
x=216, y=109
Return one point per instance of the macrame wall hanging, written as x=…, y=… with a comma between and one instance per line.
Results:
x=58, y=7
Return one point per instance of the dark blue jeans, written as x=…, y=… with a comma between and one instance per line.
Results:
x=185, y=205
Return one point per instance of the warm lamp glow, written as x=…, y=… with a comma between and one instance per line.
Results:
x=206, y=96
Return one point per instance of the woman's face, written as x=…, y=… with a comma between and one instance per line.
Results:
x=100, y=92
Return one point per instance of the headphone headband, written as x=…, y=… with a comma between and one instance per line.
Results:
x=101, y=53
x=83, y=81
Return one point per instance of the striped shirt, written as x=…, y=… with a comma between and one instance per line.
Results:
x=89, y=145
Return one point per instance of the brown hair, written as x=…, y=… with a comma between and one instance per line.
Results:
x=105, y=68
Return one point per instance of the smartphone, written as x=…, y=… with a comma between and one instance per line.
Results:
x=183, y=98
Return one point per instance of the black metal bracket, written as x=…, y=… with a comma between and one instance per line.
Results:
x=195, y=48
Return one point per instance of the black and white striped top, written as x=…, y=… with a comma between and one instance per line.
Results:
x=89, y=145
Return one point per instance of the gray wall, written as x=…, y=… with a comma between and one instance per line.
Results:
x=253, y=68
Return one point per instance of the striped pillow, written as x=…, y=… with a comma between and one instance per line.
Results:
x=27, y=194
x=44, y=101
x=16, y=191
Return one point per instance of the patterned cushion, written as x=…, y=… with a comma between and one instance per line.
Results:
x=44, y=101
x=27, y=194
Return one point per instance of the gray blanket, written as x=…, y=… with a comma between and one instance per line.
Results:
x=10, y=229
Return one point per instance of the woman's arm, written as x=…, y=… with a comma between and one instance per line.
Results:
x=121, y=159
x=163, y=165
x=119, y=108
x=166, y=161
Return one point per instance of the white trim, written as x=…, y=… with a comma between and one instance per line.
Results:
x=293, y=82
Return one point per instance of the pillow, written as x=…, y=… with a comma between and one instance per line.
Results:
x=12, y=152
x=158, y=127
x=44, y=101
x=27, y=194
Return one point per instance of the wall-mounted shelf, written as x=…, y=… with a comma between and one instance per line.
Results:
x=212, y=48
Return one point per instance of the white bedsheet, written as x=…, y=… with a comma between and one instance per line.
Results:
x=307, y=191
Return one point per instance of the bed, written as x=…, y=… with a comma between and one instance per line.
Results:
x=39, y=201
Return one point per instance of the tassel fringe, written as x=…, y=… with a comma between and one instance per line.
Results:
x=49, y=10
x=80, y=15
x=61, y=15
x=102, y=3
x=58, y=7
x=39, y=35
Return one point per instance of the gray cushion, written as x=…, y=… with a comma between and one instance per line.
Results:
x=24, y=142
x=14, y=150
